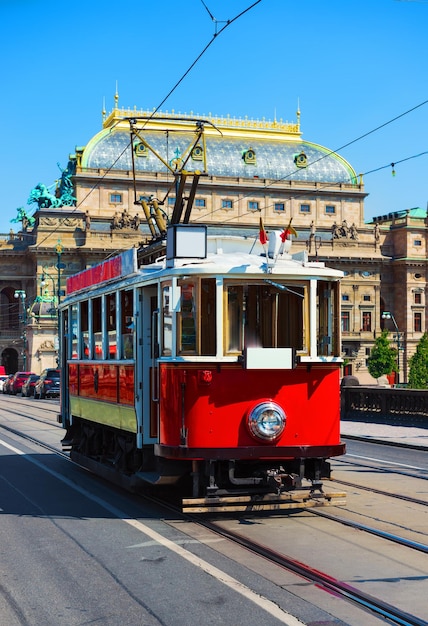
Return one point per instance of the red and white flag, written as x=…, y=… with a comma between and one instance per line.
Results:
x=262, y=233
x=287, y=232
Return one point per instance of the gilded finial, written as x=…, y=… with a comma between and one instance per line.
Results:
x=116, y=98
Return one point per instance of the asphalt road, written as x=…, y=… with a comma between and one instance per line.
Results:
x=76, y=551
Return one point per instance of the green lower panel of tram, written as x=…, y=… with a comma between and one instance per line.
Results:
x=106, y=413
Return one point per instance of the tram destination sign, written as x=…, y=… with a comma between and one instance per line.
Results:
x=120, y=265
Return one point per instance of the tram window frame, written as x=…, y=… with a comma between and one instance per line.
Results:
x=208, y=316
x=74, y=331
x=166, y=319
x=97, y=328
x=251, y=317
x=127, y=324
x=111, y=325
x=84, y=352
x=188, y=335
x=328, y=319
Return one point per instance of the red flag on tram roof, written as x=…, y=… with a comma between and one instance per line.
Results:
x=262, y=233
x=288, y=231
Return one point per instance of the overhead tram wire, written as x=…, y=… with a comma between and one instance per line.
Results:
x=319, y=190
x=229, y=22
x=329, y=153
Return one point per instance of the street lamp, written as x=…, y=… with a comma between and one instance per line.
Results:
x=59, y=250
x=43, y=283
x=45, y=293
x=387, y=315
x=20, y=293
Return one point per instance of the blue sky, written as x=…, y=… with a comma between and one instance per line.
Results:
x=352, y=66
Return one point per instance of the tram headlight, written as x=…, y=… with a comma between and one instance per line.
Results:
x=266, y=421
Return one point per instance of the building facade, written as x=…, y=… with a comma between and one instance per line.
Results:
x=123, y=185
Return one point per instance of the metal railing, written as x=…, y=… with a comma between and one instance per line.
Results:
x=388, y=405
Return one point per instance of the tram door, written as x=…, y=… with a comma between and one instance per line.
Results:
x=146, y=364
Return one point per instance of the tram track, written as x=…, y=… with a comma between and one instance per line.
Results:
x=384, y=470
x=37, y=442
x=381, y=492
x=31, y=416
x=327, y=582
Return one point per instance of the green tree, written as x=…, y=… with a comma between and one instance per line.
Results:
x=418, y=370
x=382, y=359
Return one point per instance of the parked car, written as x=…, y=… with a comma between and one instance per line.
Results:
x=48, y=384
x=28, y=386
x=6, y=383
x=3, y=378
x=17, y=381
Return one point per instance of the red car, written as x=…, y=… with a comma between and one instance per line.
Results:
x=17, y=381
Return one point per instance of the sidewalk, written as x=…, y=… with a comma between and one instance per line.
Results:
x=405, y=435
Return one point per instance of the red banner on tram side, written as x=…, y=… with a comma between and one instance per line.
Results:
x=121, y=265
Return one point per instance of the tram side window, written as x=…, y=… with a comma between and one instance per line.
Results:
x=188, y=318
x=208, y=316
x=64, y=336
x=265, y=316
x=97, y=328
x=127, y=324
x=74, y=332
x=197, y=317
x=111, y=325
x=84, y=329
x=234, y=316
x=328, y=318
x=291, y=326
x=166, y=320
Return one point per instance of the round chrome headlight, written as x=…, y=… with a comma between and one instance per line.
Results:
x=266, y=421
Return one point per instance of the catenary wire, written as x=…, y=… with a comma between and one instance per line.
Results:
x=229, y=22
x=321, y=189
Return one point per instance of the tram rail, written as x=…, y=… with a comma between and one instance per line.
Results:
x=329, y=583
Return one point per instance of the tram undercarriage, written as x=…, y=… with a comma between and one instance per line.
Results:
x=205, y=485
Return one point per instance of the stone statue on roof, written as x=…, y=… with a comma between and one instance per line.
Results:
x=23, y=217
x=41, y=196
x=64, y=193
x=65, y=189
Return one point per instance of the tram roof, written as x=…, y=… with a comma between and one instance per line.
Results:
x=226, y=256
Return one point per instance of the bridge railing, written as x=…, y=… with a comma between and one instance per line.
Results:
x=385, y=405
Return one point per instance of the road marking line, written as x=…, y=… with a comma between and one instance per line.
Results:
x=267, y=605
x=369, y=458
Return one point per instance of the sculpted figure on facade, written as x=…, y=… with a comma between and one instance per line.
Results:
x=136, y=222
x=344, y=231
x=115, y=224
x=376, y=232
x=353, y=232
x=335, y=231
x=126, y=219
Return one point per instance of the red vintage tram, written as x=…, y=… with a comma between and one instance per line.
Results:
x=214, y=367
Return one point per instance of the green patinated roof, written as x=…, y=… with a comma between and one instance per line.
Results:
x=416, y=213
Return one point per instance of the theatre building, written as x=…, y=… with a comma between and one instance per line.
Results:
x=236, y=171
